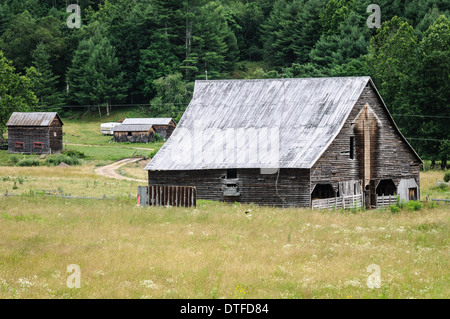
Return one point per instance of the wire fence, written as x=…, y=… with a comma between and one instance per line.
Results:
x=60, y=194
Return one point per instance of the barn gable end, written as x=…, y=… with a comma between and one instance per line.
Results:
x=369, y=151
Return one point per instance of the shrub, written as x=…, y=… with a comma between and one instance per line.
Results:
x=29, y=162
x=394, y=209
x=15, y=186
x=442, y=187
x=74, y=154
x=158, y=138
x=60, y=158
x=14, y=159
x=447, y=177
x=414, y=205
x=153, y=153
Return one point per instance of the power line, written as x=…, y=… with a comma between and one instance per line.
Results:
x=426, y=139
x=419, y=115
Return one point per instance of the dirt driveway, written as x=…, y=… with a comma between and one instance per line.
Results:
x=111, y=169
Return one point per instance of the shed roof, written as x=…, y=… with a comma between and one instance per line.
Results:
x=229, y=122
x=150, y=121
x=132, y=128
x=32, y=119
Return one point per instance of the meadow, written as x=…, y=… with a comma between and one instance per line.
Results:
x=215, y=250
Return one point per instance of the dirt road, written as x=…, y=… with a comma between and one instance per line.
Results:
x=110, y=170
x=135, y=148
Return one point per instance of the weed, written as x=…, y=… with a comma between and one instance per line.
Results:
x=29, y=162
x=414, y=205
x=20, y=179
x=14, y=159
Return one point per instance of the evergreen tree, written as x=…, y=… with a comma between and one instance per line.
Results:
x=46, y=83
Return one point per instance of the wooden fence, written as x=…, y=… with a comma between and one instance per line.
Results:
x=351, y=201
x=177, y=196
x=386, y=200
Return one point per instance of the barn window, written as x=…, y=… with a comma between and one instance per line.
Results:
x=130, y=134
x=386, y=187
x=323, y=191
x=352, y=147
x=231, y=173
x=37, y=145
x=19, y=144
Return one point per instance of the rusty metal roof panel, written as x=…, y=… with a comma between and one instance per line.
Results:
x=232, y=123
x=132, y=128
x=150, y=121
x=32, y=118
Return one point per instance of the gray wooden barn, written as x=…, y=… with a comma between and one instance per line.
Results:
x=307, y=142
x=138, y=133
x=35, y=133
x=162, y=126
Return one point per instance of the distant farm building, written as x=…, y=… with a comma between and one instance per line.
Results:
x=316, y=142
x=108, y=128
x=162, y=126
x=35, y=133
x=143, y=133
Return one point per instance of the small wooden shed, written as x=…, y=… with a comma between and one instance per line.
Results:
x=162, y=126
x=143, y=133
x=35, y=133
x=308, y=142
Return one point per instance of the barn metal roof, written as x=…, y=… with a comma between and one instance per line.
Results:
x=32, y=118
x=150, y=121
x=132, y=128
x=229, y=122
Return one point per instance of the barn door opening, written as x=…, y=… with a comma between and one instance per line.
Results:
x=322, y=191
x=413, y=193
x=386, y=187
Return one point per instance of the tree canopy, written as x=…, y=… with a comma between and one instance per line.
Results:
x=150, y=52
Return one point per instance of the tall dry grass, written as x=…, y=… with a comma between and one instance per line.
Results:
x=217, y=250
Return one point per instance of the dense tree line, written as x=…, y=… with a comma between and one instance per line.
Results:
x=151, y=51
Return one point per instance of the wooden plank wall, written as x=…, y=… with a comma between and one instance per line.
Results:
x=289, y=188
x=56, y=135
x=390, y=157
x=28, y=135
x=138, y=137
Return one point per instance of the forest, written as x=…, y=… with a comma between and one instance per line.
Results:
x=148, y=53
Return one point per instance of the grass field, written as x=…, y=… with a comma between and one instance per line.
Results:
x=212, y=251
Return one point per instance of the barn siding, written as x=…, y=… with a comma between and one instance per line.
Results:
x=391, y=157
x=137, y=137
x=253, y=187
x=56, y=135
x=28, y=135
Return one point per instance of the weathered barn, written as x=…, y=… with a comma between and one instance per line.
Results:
x=143, y=133
x=162, y=126
x=35, y=133
x=316, y=142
